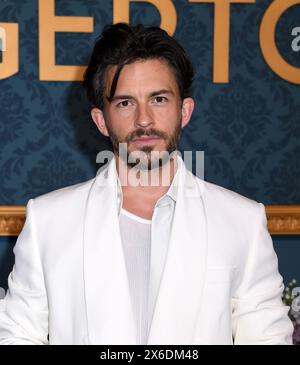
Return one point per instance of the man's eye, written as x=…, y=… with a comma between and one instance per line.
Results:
x=123, y=103
x=160, y=99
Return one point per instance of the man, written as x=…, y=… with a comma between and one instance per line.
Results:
x=112, y=261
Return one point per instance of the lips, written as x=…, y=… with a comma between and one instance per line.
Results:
x=146, y=139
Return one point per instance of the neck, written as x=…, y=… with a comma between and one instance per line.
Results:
x=155, y=182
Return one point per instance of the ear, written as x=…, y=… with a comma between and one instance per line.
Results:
x=98, y=118
x=187, y=110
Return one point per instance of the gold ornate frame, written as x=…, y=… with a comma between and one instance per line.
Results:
x=282, y=219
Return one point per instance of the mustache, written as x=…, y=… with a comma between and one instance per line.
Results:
x=146, y=133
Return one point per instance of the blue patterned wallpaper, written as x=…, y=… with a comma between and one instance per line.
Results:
x=249, y=128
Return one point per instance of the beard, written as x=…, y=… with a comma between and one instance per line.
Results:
x=148, y=159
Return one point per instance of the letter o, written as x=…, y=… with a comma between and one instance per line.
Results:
x=268, y=44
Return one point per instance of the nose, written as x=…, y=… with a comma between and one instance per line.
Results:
x=144, y=117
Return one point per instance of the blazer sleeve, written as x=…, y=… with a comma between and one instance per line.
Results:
x=24, y=310
x=259, y=315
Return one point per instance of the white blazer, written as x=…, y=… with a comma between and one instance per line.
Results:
x=220, y=284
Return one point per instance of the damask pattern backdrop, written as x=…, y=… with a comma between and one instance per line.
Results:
x=249, y=128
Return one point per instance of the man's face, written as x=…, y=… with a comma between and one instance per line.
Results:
x=146, y=111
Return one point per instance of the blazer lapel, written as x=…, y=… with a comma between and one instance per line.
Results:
x=108, y=304
x=179, y=297
x=109, y=309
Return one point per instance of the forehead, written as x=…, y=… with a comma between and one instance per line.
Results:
x=146, y=75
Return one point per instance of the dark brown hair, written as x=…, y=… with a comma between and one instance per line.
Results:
x=121, y=44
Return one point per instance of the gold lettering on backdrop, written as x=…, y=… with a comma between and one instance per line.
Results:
x=221, y=36
x=49, y=24
x=166, y=9
x=10, y=49
x=268, y=44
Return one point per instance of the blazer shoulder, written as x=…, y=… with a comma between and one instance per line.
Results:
x=229, y=199
x=67, y=195
x=236, y=212
x=221, y=191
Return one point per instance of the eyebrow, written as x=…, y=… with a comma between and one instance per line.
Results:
x=154, y=93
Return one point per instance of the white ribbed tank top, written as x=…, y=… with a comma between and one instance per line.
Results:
x=136, y=240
